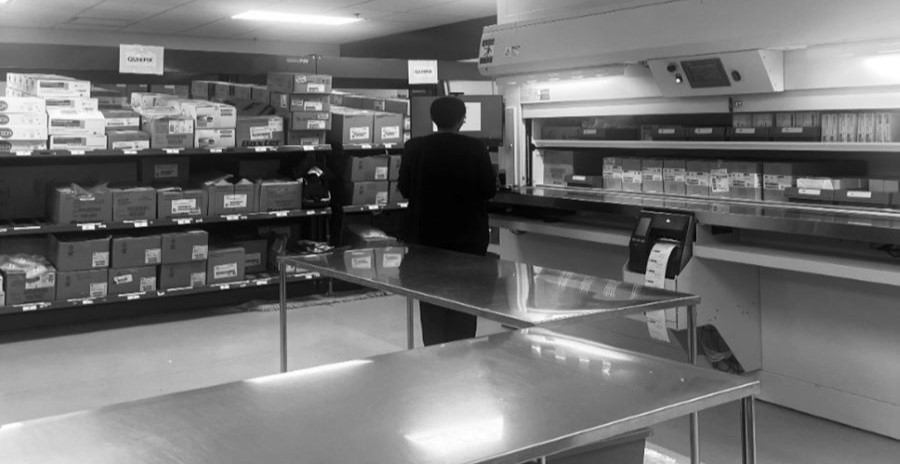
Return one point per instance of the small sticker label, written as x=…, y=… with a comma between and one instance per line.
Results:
x=153, y=256
x=316, y=124
x=703, y=131
x=253, y=259
x=260, y=133
x=745, y=130
x=791, y=130
x=811, y=192
x=198, y=279
x=225, y=271
x=316, y=88
x=381, y=198
x=235, y=201
x=579, y=178
x=859, y=194
x=391, y=260
x=165, y=171
x=123, y=279
x=180, y=127
x=184, y=206
x=313, y=106
x=199, y=252
x=719, y=180
x=666, y=132
x=359, y=133
x=99, y=289
x=100, y=259
x=361, y=262
x=148, y=284
x=381, y=173
x=390, y=133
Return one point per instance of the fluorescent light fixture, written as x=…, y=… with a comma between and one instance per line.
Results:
x=274, y=16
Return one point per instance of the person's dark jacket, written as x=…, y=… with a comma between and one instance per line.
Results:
x=447, y=178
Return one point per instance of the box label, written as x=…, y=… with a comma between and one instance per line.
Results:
x=316, y=88
x=225, y=271
x=811, y=192
x=859, y=194
x=99, y=289
x=391, y=260
x=653, y=174
x=773, y=182
x=199, y=252
x=313, y=106
x=703, y=131
x=674, y=175
x=198, y=279
x=165, y=171
x=634, y=177
x=253, y=259
x=260, y=133
x=131, y=145
x=579, y=178
x=181, y=127
x=381, y=173
x=359, y=133
x=123, y=279
x=100, y=259
x=153, y=256
x=184, y=206
x=235, y=201
x=719, y=180
x=361, y=262
x=390, y=132
x=148, y=284
x=316, y=124
x=381, y=198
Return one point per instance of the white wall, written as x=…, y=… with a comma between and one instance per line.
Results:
x=91, y=38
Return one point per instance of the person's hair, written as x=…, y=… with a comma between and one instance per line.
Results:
x=448, y=112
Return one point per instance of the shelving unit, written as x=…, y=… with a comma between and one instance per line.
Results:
x=375, y=208
x=737, y=146
x=57, y=154
x=258, y=280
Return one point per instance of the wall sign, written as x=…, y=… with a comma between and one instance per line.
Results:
x=141, y=59
x=423, y=72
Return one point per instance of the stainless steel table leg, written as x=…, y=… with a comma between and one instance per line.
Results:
x=282, y=312
x=330, y=288
x=410, y=323
x=543, y=460
x=748, y=430
x=692, y=357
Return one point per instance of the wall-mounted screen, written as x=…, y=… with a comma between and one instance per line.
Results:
x=704, y=74
x=484, y=117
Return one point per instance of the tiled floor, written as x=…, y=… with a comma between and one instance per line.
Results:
x=57, y=371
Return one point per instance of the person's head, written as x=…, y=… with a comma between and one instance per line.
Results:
x=448, y=113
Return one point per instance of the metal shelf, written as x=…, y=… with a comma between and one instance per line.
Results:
x=39, y=227
x=737, y=146
x=258, y=280
x=376, y=208
x=56, y=154
x=370, y=146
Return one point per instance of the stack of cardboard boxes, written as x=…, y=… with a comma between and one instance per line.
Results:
x=82, y=265
x=214, y=123
x=304, y=101
x=391, y=123
x=372, y=180
x=165, y=124
x=23, y=124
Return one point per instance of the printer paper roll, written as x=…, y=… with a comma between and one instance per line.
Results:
x=656, y=278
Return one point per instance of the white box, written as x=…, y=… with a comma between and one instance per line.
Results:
x=23, y=119
x=146, y=100
x=78, y=142
x=209, y=115
x=22, y=105
x=49, y=85
x=74, y=122
x=23, y=132
x=214, y=138
x=74, y=103
x=23, y=145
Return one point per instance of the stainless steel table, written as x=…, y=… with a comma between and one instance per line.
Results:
x=504, y=399
x=516, y=294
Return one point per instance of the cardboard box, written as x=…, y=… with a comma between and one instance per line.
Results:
x=387, y=128
x=305, y=137
x=309, y=120
x=75, y=122
x=27, y=279
x=209, y=115
x=142, y=101
x=256, y=257
x=22, y=105
x=77, y=142
x=805, y=195
x=351, y=127
x=23, y=133
x=23, y=145
x=185, y=246
x=80, y=285
x=134, y=204
x=225, y=265
x=279, y=195
x=49, y=85
x=576, y=180
x=180, y=91
x=394, y=167
x=394, y=195
x=78, y=205
x=178, y=203
x=719, y=180
x=243, y=93
x=558, y=165
x=829, y=183
x=73, y=104
x=360, y=262
x=632, y=175
x=161, y=170
x=214, y=138
x=225, y=197
x=613, y=174
x=367, y=168
x=697, y=179
x=169, y=131
x=132, y=280
x=203, y=90
x=396, y=106
x=24, y=120
x=367, y=193
x=136, y=251
x=745, y=179
x=259, y=131
x=260, y=94
x=120, y=119
x=652, y=175
x=127, y=140
x=223, y=91
x=77, y=253
x=674, y=177
x=299, y=83
x=182, y=275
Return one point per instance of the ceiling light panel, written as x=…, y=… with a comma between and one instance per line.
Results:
x=294, y=18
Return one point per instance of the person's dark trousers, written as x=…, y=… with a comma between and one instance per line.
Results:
x=442, y=325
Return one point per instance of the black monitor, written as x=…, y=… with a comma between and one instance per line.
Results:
x=484, y=117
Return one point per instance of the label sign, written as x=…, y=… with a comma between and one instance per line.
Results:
x=423, y=72
x=141, y=59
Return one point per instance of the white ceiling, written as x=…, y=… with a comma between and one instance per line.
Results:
x=212, y=18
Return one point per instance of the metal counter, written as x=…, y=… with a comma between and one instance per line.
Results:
x=871, y=225
x=504, y=399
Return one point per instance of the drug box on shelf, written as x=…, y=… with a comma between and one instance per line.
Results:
x=185, y=246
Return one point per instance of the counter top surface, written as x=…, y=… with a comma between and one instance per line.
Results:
x=502, y=399
x=517, y=294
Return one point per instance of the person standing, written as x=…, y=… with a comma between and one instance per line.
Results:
x=447, y=178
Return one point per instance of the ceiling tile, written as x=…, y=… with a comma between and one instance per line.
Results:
x=127, y=11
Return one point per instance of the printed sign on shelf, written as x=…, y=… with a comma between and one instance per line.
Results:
x=423, y=72
x=141, y=59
